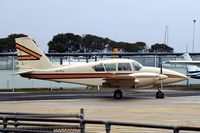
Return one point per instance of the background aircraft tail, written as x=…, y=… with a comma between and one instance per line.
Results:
x=30, y=56
x=190, y=68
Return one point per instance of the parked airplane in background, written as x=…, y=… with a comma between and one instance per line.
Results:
x=114, y=73
x=192, y=69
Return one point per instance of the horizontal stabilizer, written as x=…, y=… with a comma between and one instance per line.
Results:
x=23, y=72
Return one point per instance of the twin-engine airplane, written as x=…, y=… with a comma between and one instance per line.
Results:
x=114, y=73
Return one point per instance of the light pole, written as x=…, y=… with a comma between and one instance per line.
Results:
x=193, y=39
x=166, y=37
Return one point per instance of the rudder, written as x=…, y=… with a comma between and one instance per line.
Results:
x=30, y=56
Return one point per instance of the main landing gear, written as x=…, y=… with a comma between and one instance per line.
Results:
x=118, y=94
x=160, y=94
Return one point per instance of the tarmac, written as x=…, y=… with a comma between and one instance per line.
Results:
x=180, y=107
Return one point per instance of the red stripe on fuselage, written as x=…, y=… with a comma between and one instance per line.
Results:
x=68, y=76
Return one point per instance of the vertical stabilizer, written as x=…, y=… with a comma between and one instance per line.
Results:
x=30, y=56
x=187, y=57
x=190, y=68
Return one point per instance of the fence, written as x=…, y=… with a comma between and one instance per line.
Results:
x=55, y=123
x=9, y=61
x=40, y=123
x=9, y=66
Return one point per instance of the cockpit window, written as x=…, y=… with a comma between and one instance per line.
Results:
x=98, y=67
x=124, y=67
x=110, y=67
x=137, y=65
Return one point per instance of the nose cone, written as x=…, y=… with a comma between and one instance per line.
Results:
x=180, y=76
x=169, y=76
x=174, y=76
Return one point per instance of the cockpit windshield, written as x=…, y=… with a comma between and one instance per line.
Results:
x=137, y=65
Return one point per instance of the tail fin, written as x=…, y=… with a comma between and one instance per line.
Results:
x=30, y=56
x=190, y=68
x=187, y=57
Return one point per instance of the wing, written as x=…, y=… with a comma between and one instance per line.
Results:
x=121, y=81
x=187, y=61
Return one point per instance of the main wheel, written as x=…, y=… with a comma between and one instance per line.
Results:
x=118, y=94
x=160, y=94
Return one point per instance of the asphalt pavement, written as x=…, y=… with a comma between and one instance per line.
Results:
x=53, y=95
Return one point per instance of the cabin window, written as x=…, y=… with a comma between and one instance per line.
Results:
x=98, y=67
x=124, y=67
x=137, y=65
x=110, y=67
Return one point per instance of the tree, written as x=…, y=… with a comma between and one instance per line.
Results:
x=62, y=43
x=161, y=48
x=69, y=42
x=141, y=46
x=129, y=47
x=91, y=43
x=8, y=44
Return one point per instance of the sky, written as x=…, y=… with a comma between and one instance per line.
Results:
x=119, y=20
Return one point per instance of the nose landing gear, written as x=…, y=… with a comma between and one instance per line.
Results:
x=160, y=94
x=118, y=94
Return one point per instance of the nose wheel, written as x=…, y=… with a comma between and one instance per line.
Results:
x=118, y=94
x=160, y=94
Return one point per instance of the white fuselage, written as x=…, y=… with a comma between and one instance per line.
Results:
x=86, y=74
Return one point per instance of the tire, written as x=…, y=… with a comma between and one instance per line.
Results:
x=160, y=95
x=118, y=94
